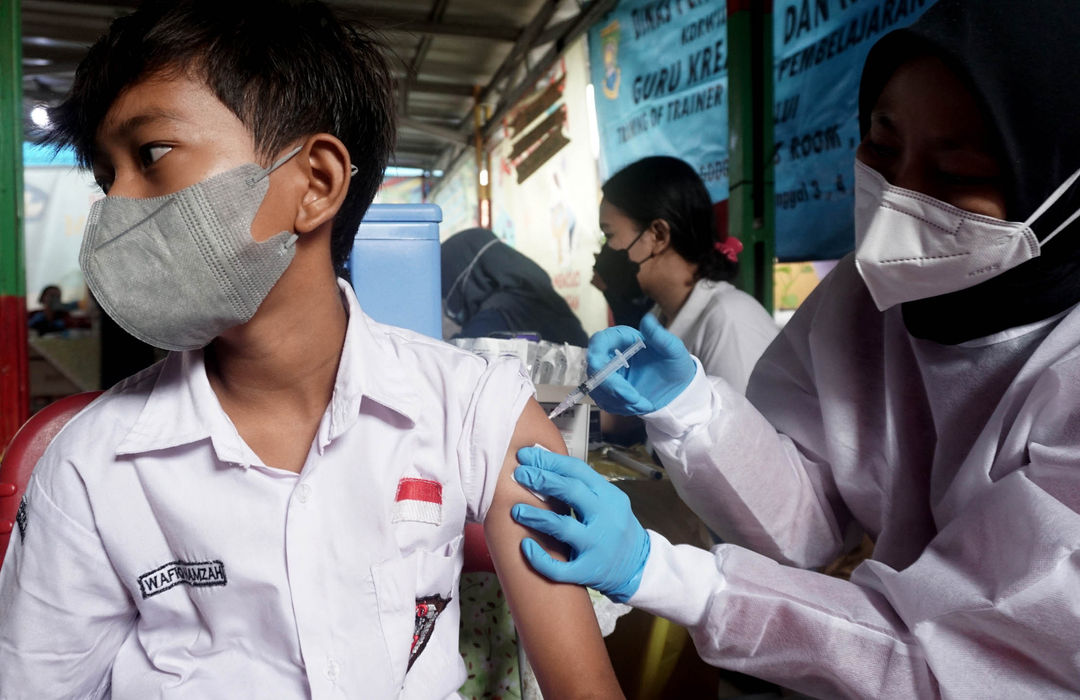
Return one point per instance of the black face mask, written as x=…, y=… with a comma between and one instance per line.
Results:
x=621, y=289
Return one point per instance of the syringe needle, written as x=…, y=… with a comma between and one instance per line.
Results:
x=620, y=360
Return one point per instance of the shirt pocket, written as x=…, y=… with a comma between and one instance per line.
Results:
x=416, y=596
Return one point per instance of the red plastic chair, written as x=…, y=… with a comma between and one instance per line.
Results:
x=477, y=556
x=26, y=449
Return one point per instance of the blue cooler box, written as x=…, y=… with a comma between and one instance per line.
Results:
x=395, y=266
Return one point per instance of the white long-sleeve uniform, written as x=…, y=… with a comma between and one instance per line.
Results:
x=961, y=462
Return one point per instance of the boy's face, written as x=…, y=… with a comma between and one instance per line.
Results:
x=163, y=134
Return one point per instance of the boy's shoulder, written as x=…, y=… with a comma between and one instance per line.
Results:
x=109, y=417
x=94, y=435
x=411, y=362
x=412, y=348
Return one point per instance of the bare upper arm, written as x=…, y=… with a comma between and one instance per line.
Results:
x=555, y=621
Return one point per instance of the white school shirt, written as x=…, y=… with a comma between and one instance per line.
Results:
x=725, y=328
x=158, y=555
x=961, y=462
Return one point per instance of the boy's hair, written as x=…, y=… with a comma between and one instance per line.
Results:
x=287, y=68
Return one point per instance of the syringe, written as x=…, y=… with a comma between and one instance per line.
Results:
x=619, y=361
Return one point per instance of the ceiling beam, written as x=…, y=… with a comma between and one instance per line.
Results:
x=104, y=10
x=518, y=52
x=65, y=69
x=52, y=52
x=440, y=88
x=584, y=19
x=440, y=132
x=555, y=31
x=405, y=159
x=412, y=70
x=423, y=23
x=79, y=32
x=124, y=5
x=94, y=17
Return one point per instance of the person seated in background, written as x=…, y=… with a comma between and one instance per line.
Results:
x=52, y=317
x=662, y=250
x=489, y=287
x=275, y=510
x=664, y=257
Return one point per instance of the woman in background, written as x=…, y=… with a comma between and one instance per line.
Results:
x=662, y=247
x=488, y=287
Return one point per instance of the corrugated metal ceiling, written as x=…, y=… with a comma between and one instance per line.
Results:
x=444, y=53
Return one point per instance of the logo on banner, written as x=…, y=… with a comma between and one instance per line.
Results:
x=609, y=37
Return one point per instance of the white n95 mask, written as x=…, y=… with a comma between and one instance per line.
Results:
x=176, y=271
x=910, y=246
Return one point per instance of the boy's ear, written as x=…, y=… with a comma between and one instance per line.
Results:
x=325, y=161
x=662, y=234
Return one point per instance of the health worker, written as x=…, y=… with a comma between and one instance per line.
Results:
x=662, y=253
x=925, y=395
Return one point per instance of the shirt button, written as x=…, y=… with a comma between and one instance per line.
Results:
x=333, y=670
x=303, y=493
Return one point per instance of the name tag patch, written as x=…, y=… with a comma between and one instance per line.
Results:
x=200, y=573
x=418, y=500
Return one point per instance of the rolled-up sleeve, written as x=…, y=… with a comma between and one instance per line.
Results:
x=490, y=420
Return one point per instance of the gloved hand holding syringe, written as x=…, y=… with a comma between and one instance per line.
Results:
x=620, y=360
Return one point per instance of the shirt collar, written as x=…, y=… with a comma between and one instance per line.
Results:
x=370, y=369
x=692, y=308
x=182, y=407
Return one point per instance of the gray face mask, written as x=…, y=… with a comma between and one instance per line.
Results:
x=178, y=270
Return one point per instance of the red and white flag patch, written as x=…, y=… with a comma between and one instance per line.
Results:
x=418, y=500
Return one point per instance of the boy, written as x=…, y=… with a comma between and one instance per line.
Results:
x=278, y=513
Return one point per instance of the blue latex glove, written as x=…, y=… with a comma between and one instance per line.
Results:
x=656, y=375
x=608, y=545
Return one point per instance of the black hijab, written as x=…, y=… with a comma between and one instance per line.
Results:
x=507, y=282
x=1019, y=60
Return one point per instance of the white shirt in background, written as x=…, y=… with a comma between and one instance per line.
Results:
x=725, y=328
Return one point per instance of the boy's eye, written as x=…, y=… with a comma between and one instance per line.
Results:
x=150, y=153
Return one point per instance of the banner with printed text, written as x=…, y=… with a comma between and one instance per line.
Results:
x=819, y=49
x=659, y=71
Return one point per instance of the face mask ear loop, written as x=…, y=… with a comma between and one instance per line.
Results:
x=278, y=163
x=627, y=249
x=1058, y=193
x=468, y=269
